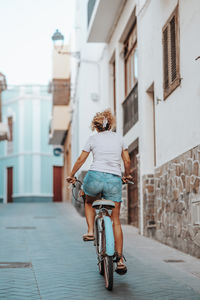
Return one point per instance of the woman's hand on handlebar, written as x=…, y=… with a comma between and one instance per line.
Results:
x=127, y=179
x=71, y=179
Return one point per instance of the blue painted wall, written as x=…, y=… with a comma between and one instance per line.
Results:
x=31, y=156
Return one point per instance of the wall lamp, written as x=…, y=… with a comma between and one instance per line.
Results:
x=58, y=41
x=158, y=100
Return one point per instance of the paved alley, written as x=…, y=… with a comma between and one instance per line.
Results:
x=42, y=256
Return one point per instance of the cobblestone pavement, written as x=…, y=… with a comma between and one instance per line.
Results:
x=62, y=266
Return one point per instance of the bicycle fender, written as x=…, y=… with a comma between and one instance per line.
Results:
x=110, y=241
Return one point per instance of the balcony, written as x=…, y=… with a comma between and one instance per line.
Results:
x=102, y=18
x=4, y=132
x=59, y=125
x=130, y=110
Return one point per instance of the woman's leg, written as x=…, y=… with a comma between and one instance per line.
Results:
x=117, y=229
x=90, y=214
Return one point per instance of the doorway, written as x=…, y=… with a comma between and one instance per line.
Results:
x=57, y=184
x=133, y=209
x=9, y=184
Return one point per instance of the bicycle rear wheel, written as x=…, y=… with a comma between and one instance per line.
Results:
x=108, y=272
x=99, y=243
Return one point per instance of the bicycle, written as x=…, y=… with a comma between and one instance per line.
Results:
x=104, y=237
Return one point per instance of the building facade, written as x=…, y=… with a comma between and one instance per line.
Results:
x=26, y=160
x=152, y=68
x=89, y=85
x=60, y=124
x=4, y=132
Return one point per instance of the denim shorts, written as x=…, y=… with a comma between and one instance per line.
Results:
x=109, y=185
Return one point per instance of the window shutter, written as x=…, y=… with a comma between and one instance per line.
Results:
x=171, y=73
x=173, y=48
x=166, y=58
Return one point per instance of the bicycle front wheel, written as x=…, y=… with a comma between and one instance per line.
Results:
x=101, y=267
x=99, y=243
x=108, y=272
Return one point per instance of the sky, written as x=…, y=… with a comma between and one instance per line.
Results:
x=26, y=27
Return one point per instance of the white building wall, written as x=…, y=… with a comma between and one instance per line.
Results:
x=61, y=63
x=177, y=121
x=182, y=106
x=90, y=80
x=115, y=47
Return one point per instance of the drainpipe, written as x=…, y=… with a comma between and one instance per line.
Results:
x=141, y=224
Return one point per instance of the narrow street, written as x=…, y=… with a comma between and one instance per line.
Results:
x=59, y=265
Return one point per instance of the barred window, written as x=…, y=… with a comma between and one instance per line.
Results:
x=171, y=64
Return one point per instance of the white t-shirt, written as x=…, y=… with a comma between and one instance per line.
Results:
x=106, y=148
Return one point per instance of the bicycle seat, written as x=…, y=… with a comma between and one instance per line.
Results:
x=109, y=204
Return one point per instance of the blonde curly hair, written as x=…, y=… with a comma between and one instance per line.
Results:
x=103, y=121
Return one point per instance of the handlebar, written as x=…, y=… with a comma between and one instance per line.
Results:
x=127, y=182
x=77, y=181
x=83, y=196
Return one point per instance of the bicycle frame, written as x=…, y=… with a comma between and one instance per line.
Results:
x=104, y=239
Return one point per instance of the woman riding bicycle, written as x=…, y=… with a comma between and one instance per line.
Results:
x=104, y=176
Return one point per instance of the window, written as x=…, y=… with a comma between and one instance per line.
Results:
x=130, y=110
x=130, y=104
x=171, y=65
x=130, y=54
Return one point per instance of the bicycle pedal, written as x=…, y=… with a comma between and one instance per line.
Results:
x=99, y=262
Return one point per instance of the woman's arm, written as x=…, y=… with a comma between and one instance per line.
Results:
x=127, y=163
x=78, y=164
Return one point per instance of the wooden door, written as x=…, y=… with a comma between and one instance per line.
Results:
x=133, y=209
x=57, y=184
x=9, y=184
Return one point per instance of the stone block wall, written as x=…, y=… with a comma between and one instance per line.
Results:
x=139, y=196
x=124, y=205
x=149, y=204
x=176, y=204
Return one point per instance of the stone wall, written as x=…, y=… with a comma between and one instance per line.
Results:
x=173, y=201
x=149, y=204
x=138, y=186
x=124, y=205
